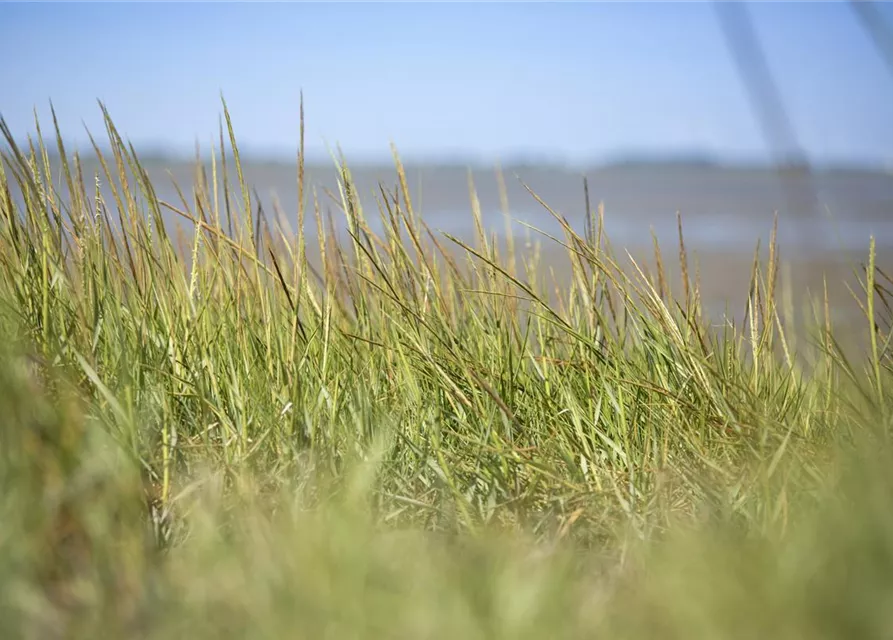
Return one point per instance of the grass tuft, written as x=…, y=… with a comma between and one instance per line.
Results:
x=406, y=434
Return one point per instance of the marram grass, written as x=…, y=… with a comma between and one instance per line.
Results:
x=242, y=431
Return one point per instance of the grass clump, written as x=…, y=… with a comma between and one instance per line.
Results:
x=228, y=429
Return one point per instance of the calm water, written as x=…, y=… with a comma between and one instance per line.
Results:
x=722, y=209
x=724, y=213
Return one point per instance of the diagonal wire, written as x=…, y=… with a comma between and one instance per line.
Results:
x=765, y=100
x=877, y=28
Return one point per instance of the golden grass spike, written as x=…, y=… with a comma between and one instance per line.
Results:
x=872, y=324
x=506, y=212
x=683, y=263
x=662, y=289
x=246, y=198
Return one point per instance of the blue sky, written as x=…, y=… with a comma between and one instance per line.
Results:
x=569, y=81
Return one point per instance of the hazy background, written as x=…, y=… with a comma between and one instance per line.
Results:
x=574, y=82
x=646, y=99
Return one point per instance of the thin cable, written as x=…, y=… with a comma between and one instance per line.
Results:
x=765, y=100
x=880, y=32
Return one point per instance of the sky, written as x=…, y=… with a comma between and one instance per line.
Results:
x=567, y=82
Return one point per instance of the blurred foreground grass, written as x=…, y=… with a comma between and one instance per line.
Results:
x=417, y=437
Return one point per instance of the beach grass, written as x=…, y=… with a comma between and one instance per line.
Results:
x=206, y=431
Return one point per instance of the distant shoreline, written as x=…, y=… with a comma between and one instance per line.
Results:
x=637, y=163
